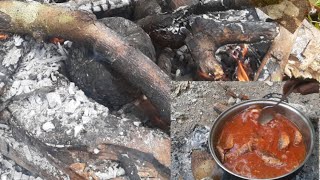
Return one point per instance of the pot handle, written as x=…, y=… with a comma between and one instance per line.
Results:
x=275, y=96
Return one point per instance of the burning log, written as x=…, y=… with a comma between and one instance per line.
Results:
x=80, y=27
x=207, y=36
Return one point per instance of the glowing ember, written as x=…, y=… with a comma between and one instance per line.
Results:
x=205, y=76
x=56, y=40
x=3, y=36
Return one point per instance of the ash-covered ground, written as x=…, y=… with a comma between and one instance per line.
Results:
x=192, y=114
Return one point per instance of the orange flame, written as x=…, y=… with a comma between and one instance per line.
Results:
x=245, y=50
x=242, y=75
x=3, y=36
x=56, y=40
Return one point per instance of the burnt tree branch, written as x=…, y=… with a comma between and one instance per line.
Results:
x=42, y=20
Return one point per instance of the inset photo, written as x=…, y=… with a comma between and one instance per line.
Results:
x=253, y=130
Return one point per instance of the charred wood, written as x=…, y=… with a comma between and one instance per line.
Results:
x=165, y=60
x=274, y=62
x=143, y=8
x=89, y=71
x=143, y=73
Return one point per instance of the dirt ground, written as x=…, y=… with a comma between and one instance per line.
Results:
x=192, y=113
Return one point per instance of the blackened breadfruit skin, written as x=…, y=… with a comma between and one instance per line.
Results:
x=89, y=72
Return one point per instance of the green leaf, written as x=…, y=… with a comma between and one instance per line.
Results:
x=317, y=3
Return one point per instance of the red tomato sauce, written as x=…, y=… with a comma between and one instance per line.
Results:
x=253, y=150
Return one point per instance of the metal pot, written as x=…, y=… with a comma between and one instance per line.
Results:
x=303, y=124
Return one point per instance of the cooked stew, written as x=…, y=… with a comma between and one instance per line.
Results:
x=253, y=150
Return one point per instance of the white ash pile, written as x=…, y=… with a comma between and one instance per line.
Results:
x=45, y=108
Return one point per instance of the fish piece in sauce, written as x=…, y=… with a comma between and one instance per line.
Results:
x=284, y=140
x=297, y=138
x=226, y=142
x=270, y=160
x=247, y=147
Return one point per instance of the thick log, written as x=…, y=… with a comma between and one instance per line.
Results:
x=207, y=36
x=49, y=20
x=89, y=72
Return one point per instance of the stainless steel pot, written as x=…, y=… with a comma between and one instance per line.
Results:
x=303, y=124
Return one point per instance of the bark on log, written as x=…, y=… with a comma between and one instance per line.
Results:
x=48, y=20
x=207, y=36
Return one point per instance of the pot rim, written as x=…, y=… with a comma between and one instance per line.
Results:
x=294, y=110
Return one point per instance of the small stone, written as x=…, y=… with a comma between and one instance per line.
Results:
x=238, y=100
x=48, y=126
x=231, y=101
x=53, y=99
